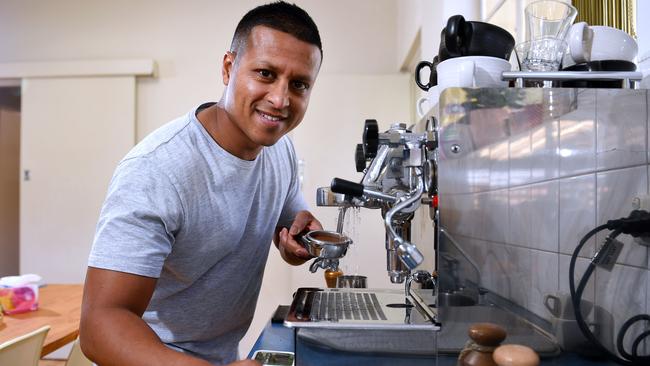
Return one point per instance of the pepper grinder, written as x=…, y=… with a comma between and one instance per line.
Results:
x=515, y=355
x=484, y=338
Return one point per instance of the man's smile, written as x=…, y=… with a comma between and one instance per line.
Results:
x=271, y=118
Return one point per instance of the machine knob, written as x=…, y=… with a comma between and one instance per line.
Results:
x=346, y=187
x=360, y=158
x=410, y=255
x=370, y=138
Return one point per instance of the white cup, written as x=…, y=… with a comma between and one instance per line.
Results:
x=472, y=71
x=598, y=43
x=426, y=103
x=560, y=306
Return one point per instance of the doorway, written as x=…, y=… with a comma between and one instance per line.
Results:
x=9, y=179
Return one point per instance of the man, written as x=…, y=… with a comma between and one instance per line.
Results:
x=183, y=236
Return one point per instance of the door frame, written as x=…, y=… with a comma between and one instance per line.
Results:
x=122, y=67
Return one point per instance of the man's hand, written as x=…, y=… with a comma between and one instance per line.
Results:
x=291, y=250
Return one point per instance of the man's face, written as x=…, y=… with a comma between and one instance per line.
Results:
x=268, y=86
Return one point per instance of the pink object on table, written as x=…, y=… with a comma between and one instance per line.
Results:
x=20, y=299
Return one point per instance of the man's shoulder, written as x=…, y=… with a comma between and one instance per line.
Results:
x=164, y=137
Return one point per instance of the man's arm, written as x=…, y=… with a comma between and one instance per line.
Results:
x=291, y=251
x=112, y=331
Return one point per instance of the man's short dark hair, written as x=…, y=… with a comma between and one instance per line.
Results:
x=279, y=15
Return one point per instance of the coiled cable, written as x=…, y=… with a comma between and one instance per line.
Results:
x=636, y=224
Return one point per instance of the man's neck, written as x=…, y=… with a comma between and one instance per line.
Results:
x=225, y=132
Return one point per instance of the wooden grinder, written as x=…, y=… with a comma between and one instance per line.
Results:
x=484, y=338
x=515, y=355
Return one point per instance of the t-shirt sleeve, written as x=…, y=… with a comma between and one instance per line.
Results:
x=138, y=222
x=295, y=201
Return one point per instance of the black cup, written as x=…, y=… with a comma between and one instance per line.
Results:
x=462, y=38
x=465, y=38
x=433, y=75
x=443, y=53
x=605, y=65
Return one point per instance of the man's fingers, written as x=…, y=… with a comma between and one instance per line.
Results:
x=315, y=224
x=303, y=218
x=291, y=245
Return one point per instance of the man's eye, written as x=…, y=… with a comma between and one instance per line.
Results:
x=299, y=85
x=265, y=73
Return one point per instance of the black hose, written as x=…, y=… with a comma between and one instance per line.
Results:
x=637, y=341
x=576, y=297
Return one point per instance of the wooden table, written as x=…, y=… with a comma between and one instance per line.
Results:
x=59, y=307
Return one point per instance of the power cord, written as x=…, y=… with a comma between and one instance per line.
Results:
x=636, y=224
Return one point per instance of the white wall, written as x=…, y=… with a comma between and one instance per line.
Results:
x=187, y=39
x=419, y=23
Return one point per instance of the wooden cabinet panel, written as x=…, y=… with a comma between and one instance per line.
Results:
x=9, y=190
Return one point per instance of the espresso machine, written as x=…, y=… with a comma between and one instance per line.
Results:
x=401, y=170
x=399, y=177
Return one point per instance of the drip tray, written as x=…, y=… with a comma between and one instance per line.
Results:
x=367, y=309
x=417, y=342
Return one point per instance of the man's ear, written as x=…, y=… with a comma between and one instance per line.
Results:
x=228, y=64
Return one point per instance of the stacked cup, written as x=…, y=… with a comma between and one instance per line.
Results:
x=599, y=48
x=471, y=54
x=548, y=22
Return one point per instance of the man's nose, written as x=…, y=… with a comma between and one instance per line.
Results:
x=278, y=96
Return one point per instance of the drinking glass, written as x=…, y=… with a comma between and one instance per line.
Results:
x=549, y=18
x=544, y=54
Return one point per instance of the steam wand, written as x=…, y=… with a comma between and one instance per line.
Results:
x=407, y=252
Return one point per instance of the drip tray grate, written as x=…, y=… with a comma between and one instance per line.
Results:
x=334, y=306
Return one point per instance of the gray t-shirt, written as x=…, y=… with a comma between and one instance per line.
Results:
x=182, y=209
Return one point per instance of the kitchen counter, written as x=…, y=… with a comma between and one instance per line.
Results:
x=277, y=337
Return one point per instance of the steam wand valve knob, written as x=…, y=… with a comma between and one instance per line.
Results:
x=409, y=254
x=360, y=158
x=370, y=138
